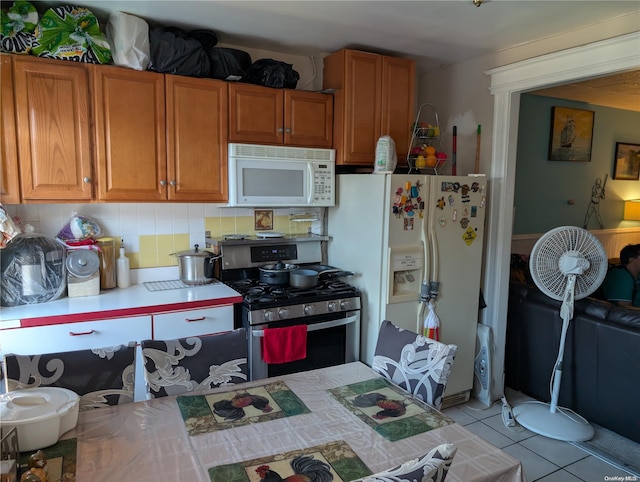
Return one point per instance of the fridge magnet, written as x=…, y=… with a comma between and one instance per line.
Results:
x=469, y=236
x=452, y=200
x=474, y=211
x=571, y=134
x=440, y=203
x=263, y=219
x=627, y=162
x=454, y=215
x=450, y=186
x=464, y=222
x=475, y=187
x=408, y=224
x=442, y=221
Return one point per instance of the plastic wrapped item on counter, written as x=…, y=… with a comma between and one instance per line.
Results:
x=18, y=23
x=129, y=39
x=32, y=269
x=71, y=33
x=8, y=229
x=78, y=229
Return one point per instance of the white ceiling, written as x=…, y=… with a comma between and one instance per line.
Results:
x=434, y=32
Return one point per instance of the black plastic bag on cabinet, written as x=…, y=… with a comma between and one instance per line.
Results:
x=174, y=51
x=228, y=64
x=272, y=73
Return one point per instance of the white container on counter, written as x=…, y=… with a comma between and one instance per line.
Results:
x=83, y=266
x=123, y=272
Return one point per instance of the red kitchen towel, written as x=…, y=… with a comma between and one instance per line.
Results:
x=284, y=345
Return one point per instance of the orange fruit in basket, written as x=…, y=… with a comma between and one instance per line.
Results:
x=430, y=150
x=432, y=161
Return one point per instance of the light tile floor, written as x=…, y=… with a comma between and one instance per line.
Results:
x=543, y=459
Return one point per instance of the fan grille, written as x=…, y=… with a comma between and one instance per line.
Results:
x=544, y=263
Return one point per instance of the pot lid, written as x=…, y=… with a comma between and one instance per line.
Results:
x=196, y=252
x=36, y=404
x=83, y=263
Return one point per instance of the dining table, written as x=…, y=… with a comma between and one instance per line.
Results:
x=237, y=432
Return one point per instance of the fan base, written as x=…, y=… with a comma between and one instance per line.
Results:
x=561, y=425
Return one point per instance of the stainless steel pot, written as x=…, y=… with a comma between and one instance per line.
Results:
x=303, y=278
x=276, y=274
x=197, y=267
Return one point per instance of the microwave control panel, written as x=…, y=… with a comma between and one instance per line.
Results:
x=323, y=194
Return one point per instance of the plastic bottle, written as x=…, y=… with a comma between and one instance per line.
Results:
x=123, y=272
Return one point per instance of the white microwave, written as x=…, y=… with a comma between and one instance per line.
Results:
x=274, y=176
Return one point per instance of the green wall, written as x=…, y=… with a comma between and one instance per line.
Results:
x=544, y=188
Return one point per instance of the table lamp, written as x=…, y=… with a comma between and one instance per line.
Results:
x=631, y=210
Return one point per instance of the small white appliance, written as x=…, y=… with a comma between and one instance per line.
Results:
x=273, y=176
x=414, y=239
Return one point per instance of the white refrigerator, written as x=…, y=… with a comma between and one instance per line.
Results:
x=403, y=234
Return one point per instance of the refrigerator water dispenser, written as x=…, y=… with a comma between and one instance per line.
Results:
x=405, y=273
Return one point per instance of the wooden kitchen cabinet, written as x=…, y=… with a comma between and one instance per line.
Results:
x=9, y=180
x=160, y=137
x=263, y=115
x=53, y=112
x=375, y=96
x=130, y=133
x=196, y=111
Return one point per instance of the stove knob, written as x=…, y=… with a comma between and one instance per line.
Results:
x=309, y=309
x=268, y=315
x=345, y=305
x=332, y=305
x=282, y=313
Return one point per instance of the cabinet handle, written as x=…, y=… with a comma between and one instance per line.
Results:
x=189, y=320
x=86, y=179
x=172, y=183
x=163, y=183
x=72, y=333
x=287, y=130
x=280, y=130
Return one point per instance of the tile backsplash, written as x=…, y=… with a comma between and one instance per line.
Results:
x=152, y=231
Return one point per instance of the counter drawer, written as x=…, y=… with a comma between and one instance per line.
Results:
x=181, y=324
x=74, y=336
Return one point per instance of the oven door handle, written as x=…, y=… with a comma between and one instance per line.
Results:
x=319, y=326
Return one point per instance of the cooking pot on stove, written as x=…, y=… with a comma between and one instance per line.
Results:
x=276, y=274
x=303, y=278
x=197, y=267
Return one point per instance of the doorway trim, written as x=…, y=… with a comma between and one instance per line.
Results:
x=507, y=83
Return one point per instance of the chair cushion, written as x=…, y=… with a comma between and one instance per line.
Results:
x=417, y=364
x=194, y=363
x=431, y=467
x=101, y=376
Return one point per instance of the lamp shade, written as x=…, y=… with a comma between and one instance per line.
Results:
x=632, y=210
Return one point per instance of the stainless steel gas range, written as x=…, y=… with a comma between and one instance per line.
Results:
x=330, y=310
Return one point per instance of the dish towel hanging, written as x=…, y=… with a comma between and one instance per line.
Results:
x=284, y=345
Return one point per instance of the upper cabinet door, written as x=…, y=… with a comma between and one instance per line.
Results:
x=9, y=181
x=256, y=114
x=52, y=102
x=130, y=134
x=308, y=119
x=398, y=102
x=197, y=139
x=357, y=78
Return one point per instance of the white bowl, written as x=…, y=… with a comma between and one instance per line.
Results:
x=40, y=415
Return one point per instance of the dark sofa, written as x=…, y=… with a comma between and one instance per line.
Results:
x=601, y=370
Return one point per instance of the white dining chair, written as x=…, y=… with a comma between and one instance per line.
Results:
x=413, y=362
x=195, y=363
x=100, y=376
x=432, y=466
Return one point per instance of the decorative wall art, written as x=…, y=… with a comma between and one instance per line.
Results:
x=627, y=162
x=263, y=219
x=571, y=134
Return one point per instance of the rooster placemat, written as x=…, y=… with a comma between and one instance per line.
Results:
x=58, y=461
x=388, y=409
x=234, y=408
x=335, y=462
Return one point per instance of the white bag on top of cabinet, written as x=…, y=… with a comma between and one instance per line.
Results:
x=129, y=38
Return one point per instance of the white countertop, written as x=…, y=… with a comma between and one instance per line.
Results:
x=135, y=300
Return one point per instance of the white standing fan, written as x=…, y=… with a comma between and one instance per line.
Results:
x=567, y=264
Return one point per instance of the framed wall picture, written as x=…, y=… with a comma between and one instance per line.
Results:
x=263, y=219
x=571, y=134
x=626, y=165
